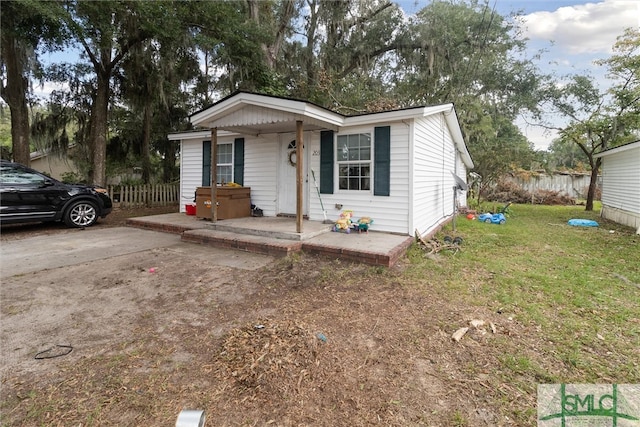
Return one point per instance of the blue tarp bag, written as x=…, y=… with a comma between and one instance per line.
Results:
x=583, y=223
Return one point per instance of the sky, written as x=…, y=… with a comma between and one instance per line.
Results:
x=573, y=33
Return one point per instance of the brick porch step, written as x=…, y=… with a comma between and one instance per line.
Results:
x=243, y=242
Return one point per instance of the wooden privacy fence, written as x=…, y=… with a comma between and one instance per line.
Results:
x=148, y=195
x=573, y=185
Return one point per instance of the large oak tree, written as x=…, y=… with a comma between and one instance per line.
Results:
x=25, y=26
x=598, y=119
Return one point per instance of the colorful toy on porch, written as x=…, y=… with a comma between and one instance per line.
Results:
x=344, y=222
x=363, y=224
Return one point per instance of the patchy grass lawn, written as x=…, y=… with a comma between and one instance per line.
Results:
x=349, y=344
x=576, y=289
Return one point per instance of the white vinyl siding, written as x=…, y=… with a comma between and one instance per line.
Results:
x=390, y=213
x=433, y=161
x=621, y=180
x=461, y=171
x=261, y=171
x=621, y=187
x=190, y=170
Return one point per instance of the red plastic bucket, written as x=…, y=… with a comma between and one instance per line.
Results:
x=191, y=209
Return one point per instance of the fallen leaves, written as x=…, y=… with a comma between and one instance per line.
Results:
x=266, y=354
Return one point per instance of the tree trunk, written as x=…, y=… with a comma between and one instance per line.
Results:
x=593, y=183
x=168, y=161
x=271, y=50
x=15, y=95
x=146, y=142
x=20, y=133
x=99, y=117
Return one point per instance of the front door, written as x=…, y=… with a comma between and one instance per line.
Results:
x=287, y=175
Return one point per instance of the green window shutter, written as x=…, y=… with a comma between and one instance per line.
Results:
x=382, y=161
x=206, y=163
x=326, y=162
x=238, y=161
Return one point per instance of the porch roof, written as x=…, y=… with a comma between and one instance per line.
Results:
x=254, y=114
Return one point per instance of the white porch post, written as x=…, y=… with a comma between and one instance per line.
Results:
x=214, y=174
x=299, y=178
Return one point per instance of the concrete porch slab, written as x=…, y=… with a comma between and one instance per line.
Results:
x=275, y=227
x=276, y=236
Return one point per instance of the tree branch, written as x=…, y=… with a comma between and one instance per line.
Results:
x=139, y=38
x=357, y=56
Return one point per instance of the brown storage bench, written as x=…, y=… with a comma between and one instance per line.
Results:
x=233, y=202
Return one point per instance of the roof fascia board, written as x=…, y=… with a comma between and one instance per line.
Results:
x=315, y=112
x=386, y=116
x=199, y=134
x=619, y=149
x=396, y=115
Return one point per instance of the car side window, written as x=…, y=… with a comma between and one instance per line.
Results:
x=13, y=175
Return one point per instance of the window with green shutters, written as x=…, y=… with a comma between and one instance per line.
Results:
x=364, y=164
x=229, y=162
x=224, y=163
x=353, y=155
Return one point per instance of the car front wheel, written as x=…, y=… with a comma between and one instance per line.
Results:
x=81, y=214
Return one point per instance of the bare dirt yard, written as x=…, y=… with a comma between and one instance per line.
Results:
x=286, y=342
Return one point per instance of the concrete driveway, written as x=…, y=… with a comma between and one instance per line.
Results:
x=87, y=288
x=45, y=252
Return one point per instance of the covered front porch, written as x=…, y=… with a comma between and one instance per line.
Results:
x=265, y=119
x=275, y=236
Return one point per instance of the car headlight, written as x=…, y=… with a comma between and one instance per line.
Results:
x=101, y=190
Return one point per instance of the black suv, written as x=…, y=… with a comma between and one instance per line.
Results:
x=29, y=196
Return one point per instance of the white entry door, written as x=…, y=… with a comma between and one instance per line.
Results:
x=287, y=175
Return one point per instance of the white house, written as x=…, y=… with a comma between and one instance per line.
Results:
x=397, y=167
x=621, y=184
x=55, y=166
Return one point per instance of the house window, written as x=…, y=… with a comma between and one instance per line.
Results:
x=224, y=163
x=354, y=161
